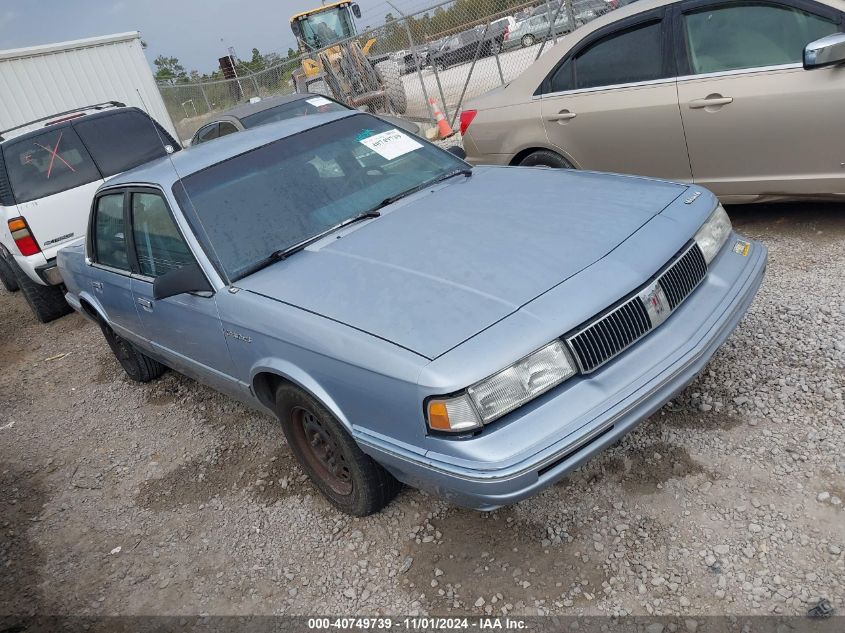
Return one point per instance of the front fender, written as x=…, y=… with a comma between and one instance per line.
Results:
x=302, y=379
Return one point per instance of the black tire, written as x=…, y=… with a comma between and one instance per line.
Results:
x=47, y=302
x=351, y=480
x=545, y=158
x=7, y=274
x=527, y=40
x=138, y=366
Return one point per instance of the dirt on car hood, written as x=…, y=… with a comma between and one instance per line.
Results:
x=440, y=266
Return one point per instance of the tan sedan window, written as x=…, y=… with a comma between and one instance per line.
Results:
x=628, y=57
x=750, y=36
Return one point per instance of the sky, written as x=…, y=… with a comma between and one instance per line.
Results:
x=190, y=30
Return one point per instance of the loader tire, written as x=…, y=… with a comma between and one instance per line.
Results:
x=389, y=74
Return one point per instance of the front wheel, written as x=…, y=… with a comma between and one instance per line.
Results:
x=527, y=40
x=350, y=479
x=545, y=158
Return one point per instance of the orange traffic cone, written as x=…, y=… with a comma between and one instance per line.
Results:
x=443, y=128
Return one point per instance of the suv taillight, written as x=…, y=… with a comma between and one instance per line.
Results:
x=466, y=118
x=23, y=238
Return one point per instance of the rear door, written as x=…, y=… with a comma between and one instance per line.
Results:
x=611, y=103
x=53, y=179
x=110, y=282
x=756, y=122
x=185, y=329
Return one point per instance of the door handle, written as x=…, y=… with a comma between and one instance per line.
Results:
x=146, y=304
x=710, y=101
x=563, y=115
x=97, y=285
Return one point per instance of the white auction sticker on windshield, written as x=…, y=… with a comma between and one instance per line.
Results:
x=391, y=144
x=318, y=101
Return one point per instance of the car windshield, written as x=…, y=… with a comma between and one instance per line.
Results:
x=282, y=194
x=301, y=107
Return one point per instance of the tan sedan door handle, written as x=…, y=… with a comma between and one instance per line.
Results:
x=563, y=115
x=710, y=101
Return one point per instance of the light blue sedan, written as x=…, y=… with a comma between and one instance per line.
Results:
x=476, y=332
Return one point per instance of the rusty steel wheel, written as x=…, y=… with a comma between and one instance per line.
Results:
x=320, y=448
x=352, y=480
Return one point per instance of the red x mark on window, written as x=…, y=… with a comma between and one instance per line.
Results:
x=54, y=154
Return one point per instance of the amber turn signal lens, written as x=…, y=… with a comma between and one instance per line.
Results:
x=17, y=224
x=438, y=416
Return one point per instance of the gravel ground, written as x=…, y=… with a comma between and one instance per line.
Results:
x=168, y=498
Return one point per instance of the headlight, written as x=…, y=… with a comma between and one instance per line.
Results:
x=713, y=233
x=503, y=392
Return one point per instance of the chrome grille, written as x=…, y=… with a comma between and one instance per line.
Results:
x=682, y=277
x=612, y=332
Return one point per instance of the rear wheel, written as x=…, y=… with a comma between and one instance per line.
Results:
x=545, y=158
x=7, y=274
x=350, y=479
x=527, y=40
x=47, y=302
x=138, y=366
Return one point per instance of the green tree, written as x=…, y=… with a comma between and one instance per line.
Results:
x=169, y=70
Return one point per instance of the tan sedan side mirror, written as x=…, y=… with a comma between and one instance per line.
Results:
x=827, y=51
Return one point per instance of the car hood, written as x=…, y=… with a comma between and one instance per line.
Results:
x=440, y=266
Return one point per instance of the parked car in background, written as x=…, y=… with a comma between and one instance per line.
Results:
x=537, y=29
x=401, y=322
x=49, y=171
x=588, y=10
x=743, y=98
x=278, y=108
x=462, y=48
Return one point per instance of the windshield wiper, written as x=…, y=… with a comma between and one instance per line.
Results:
x=284, y=253
x=464, y=171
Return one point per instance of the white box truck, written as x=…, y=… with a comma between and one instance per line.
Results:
x=71, y=115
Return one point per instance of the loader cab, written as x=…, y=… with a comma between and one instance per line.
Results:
x=325, y=26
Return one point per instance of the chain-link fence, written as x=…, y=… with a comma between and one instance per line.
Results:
x=449, y=52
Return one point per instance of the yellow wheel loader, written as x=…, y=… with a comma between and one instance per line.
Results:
x=338, y=65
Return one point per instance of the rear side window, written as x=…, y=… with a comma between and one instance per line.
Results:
x=109, y=234
x=46, y=164
x=159, y=244
x=122, y=140
x=628, y=57
x=302, y=107
x=208, y=133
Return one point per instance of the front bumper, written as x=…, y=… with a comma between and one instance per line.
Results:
x=640, y=380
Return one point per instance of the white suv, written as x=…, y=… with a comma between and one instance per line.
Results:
x=49, y=171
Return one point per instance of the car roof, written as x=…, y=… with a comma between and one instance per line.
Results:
x=38, y=127
x=165, y=171
x=246, y=109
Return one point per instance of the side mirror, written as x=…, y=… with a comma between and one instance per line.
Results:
x=457, y=150
x=356, y=10
x=827, y=51
x=180, y=280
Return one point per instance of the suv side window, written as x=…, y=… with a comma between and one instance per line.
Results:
x=158, y=243
x=633, y=55
x=48, y=163
x=750, y=36
x=109, y=234
x=122, y=140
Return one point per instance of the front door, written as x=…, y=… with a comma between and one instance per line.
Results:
x=756, y=122
x=612, y=104
x=185, y=329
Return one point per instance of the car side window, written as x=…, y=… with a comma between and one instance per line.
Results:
x=158, y=243
x=207, y=133
x=109, y=232
x=633, y=55
x=225, y=127
x=749, y=36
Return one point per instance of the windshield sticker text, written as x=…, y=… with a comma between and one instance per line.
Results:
x=391, y=144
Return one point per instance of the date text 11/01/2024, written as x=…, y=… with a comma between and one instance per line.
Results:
x=417, y=624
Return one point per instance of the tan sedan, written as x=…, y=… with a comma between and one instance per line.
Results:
x=746, y=98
